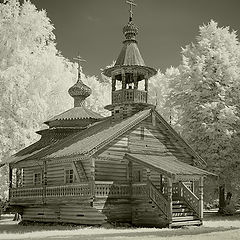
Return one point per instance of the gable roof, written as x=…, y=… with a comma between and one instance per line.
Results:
x=92, y=139
x=169, y=165
x=180, y=140
x=94, y=142
x=85, y=142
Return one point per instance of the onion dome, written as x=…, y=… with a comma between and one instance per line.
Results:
x=130, y=31
x=79, y=91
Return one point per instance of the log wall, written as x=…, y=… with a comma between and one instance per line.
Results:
x=69, y=213
x=55, y=172
x=146, y=213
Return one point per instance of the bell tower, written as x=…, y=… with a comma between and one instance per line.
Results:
x=129, y=75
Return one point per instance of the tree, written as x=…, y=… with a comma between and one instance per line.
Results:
x=33, y=75
x=206, y=94
x=159, y=90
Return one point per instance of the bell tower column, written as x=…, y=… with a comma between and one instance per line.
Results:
x=135, y=79
x=123, y=79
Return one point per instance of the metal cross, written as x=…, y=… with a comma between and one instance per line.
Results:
x=79, y=60
x=131, y=4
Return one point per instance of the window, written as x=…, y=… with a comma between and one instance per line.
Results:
x=37, y=178
x=69, y=176
x=137, y=176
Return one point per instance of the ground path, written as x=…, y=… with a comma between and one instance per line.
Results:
x=214, y=229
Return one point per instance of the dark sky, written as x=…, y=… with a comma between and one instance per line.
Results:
x=94, y=27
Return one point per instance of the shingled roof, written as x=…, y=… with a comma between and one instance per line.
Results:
x=168, y=165
x=84, y=142
x=76, y=113
x=130, y=55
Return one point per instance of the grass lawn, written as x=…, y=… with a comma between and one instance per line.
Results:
x=214, y=228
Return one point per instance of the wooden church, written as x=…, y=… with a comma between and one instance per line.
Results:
x=132, y=167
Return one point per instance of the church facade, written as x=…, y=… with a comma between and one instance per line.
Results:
x=131, y=167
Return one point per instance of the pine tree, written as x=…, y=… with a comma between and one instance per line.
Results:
x=206, y=94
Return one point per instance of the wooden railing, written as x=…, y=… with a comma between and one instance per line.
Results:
x=79, y=190
x=189, y=197
x=26, y=192
x=110, y=189
x=129, y=95
x=159, y=199
x=175, y=190
x=82, y=189
x=139, y=189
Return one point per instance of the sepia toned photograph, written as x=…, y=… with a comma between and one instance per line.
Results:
x=120, y=119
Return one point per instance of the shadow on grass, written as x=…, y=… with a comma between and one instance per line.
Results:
x=10, y=227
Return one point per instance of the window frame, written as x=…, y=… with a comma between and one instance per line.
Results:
x=68, y=180
x=37, y=183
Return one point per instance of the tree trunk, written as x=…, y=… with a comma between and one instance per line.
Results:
x=221, y=199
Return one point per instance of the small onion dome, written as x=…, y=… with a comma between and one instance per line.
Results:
x=130, y=30
x=79, y=91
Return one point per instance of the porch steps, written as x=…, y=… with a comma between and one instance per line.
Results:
x=182, y=215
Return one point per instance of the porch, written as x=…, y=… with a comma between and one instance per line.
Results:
x=105, y=191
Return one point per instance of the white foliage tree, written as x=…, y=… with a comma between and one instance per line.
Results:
x=206, y=94
x=33, y=75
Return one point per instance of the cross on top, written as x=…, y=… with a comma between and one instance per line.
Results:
x=79, y=60
x=131, y=4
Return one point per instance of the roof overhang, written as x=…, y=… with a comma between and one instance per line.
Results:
x=117, y=69
x=168, y=166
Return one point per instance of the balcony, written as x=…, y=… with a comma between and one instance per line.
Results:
x=129, y=96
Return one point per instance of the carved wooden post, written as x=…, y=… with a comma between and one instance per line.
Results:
x=201, y=199
x=135, y=80
x=92, y=181
x=169, y=194
x=44, y=182
x=123, y=80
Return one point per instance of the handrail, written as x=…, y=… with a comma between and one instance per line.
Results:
x=189, y=197
x=158, y=198
x=139, y=189
x=110, y=189
x=80, y=189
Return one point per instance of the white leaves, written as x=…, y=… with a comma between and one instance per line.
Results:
x=207, y=93
x=34, y=77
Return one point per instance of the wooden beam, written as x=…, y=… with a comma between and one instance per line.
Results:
x=92, y=179
x=44, y=181
x=76, y=171
x=9, y=181
x=169, y=194
x=201, y=198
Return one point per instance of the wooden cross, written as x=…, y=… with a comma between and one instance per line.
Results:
x=79, y=60
x=131, y=4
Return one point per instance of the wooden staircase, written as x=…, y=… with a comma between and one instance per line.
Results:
x=185, y=205
x=183, y=215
